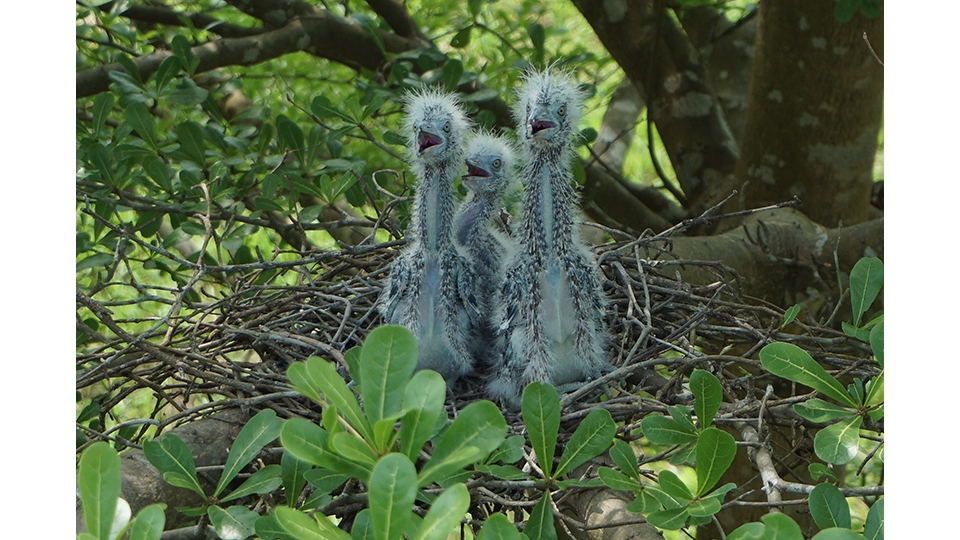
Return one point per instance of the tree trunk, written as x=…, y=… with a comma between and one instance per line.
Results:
x=815, y=106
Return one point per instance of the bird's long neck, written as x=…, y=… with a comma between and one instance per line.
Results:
x=548, y=224
x=472, y=221
x=434, y=205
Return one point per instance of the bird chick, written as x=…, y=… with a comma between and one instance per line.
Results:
x=480, y=233
x=423, y=292
x=551, y=304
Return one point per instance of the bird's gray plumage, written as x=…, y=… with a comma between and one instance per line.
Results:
x=480, y=235
x=551, y=302
x=424, y=290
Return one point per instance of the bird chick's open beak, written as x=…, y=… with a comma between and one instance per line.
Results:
x=474, y=173
x=536, y=126
x=426, y=140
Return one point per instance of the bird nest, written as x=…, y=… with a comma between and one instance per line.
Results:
x=201, y=357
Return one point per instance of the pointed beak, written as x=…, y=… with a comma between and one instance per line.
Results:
x=474, y=173
x=426, y=140
x=536, y=126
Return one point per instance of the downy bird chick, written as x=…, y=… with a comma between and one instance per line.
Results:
x=480, y=234
x=551, y=306
x=423, y=292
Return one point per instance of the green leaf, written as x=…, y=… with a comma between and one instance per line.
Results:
x=387, y=361
x=671, y=520
x=322, y=108
x=838, y=444
x=540, y=408
x=866, y=280
x=362, y=528
x=393, y=488
x=318, y=375
x=504, y=472
x=790, y=314
x=263, y=481
x=370, y=27
x=445, y=514
x=452, y=71
x=509, y=452
x=644, y=503
x=749, y=531
x=291, y=137
x=234, y=523
x=190, y=135
x=268, y=528
x=479, y=425
x=715, y=452
x=672, y=485
x=307, y=441
x=537, y=36
x=102, y=105
x=828, y=507
x=148, y=525
x=774, y=527
x=540, y=525
x=423, y=401
x=94, y=261
x=793, y=363
x=462, y=38
x=819, y=470
x=845, y=9
x=817, y=410
x=169, y=454
x=98, y=481
x=706, y=388
x=168, y=69
x=352, y=448
x=484, y=94
x=837, y=533
x=101, y=158
x=157, y=171
x=259, y=431
x=666, y=431
x=704, y=507
x=292, y=471
x=591, y=438
x=622, y=454
x=303, y=527
x=876, y=342
x=188, y=93
x=142, y=121
x=873, y=526
x=615, y=480
x=498, y=527
x=324, y=480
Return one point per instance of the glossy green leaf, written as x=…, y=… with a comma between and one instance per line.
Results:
x=98, y=481
x=188, y=93
x=484, y=94
x=510, y=451
x=423, y=400
x=540, y=408
x=749, y=531
x=321, y=376
x=324, y=480
x=292, y=471
x=838, y=443
x=666, y=431
x=781, y=527
x=445, y=514
x=837, y=533
x=866, y=280
x=790, y=315
x=307, y=441
x=876, y=342
x=291, y=137
x=94, y=261
x=540, y=525
x=268, y=528
x=169, y=454
x=362, y=528
x=828, y=507
x=350, y=447
x=304, y=527
x=143, y=122
x=190, y=135
x=671, y=484
x=393, y=488
x=615, y=480
x=498, y=527
x=706, y=388
x=591, y=438
x=452, y=71
x=259, y=431
x=704, y=507
x=234, y=523
x=504, y=472
x=666, y=499
x=873, y=526
x=644, y=503
x=148, y=525
x=263, y=481
x=450, y=463
x=671, y=520
x=102, y=105
x=462, y=38
x=101, y=158
x=537, y=37
x=819, y=470
x=623, y=456
x=793, y=363
x=817, y=410
x=387, y=361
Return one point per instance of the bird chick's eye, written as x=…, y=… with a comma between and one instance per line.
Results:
x=562, y=110
x=497, y=164
x=446, y=127
x=528, y=108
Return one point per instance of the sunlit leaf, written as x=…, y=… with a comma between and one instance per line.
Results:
x=838, y=443
x=540, y=407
